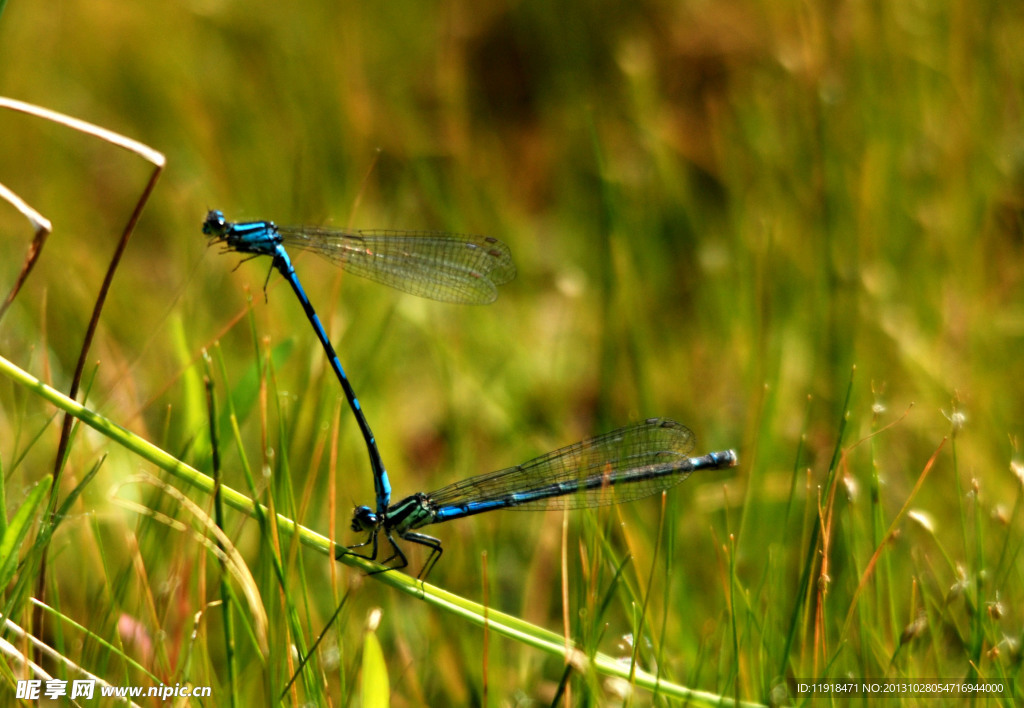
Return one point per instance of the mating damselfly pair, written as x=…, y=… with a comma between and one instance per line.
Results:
x=626, y=464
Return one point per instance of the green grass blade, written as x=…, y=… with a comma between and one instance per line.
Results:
x=18, y=529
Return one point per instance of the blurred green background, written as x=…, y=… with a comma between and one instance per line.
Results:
x=716, y=209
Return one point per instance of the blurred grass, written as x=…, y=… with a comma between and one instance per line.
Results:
x=716, y=210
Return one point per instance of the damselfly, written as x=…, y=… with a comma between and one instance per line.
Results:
x=431, y=264
x=626, y=464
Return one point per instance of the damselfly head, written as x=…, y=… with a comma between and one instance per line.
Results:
x=215, y=225
x=724, y=459
x=363, y=519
